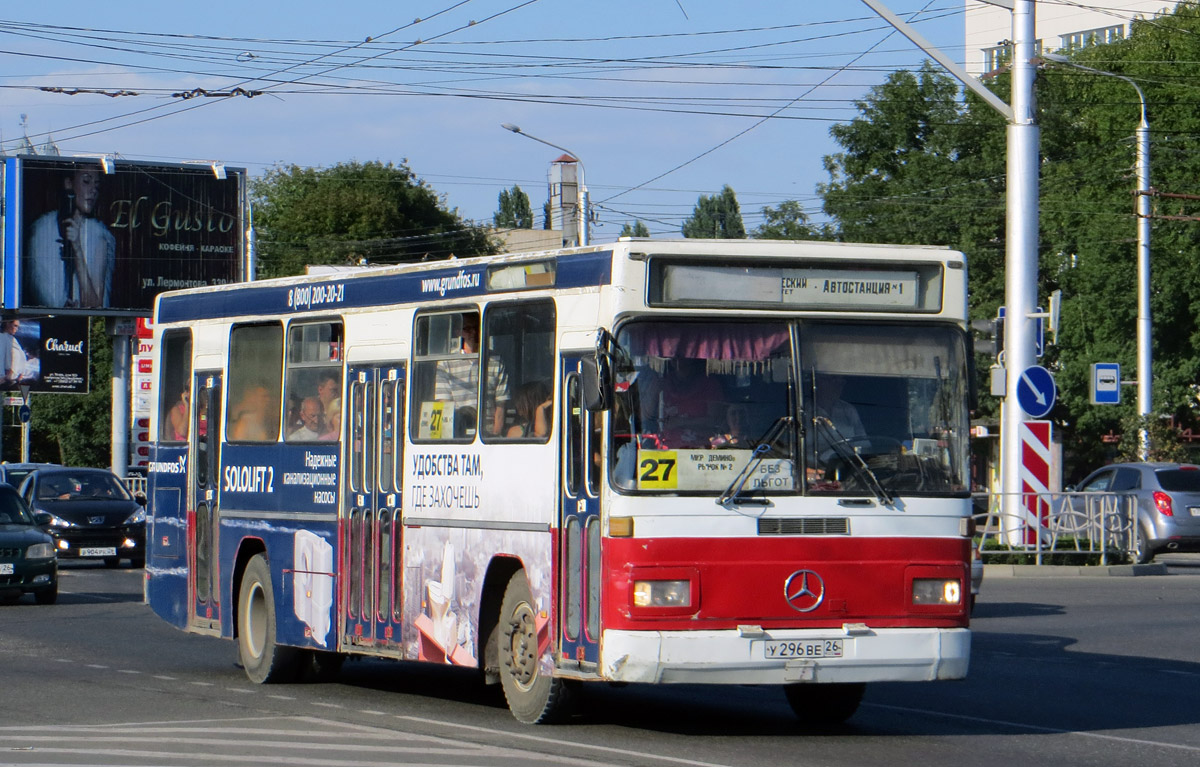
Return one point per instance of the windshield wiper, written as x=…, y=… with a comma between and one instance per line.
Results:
x=840, y=445
x=731, y=494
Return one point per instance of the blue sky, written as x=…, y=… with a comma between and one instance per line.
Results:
x=637, y=88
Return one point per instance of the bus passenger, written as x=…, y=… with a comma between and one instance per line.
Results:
x=333, y=427
x=533, y=404
x=685, y=404
x=328, y=392
x=736, y=432
x=458, y=379
x=178, y=417
x=251, y=417
x=841, y=414
x=311, y=421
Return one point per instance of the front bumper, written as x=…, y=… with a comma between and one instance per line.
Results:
x=30, y=576
x=738, y=657
x=76, y=539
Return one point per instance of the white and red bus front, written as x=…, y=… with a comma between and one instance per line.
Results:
x=789, y=500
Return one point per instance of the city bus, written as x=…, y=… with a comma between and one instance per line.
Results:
x=651, y=461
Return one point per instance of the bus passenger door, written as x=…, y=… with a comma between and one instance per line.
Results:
x=205, y=458
x=372, y=531
x=579, y=527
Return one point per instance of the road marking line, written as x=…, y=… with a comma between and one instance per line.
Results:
x=1036, y=727
x=559, y=742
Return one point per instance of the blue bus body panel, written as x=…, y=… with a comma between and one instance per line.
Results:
x=287, y=497
x=166, y=534
x=332, y=294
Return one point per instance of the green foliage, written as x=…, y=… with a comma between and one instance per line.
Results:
x=513, y=211
x=716, y=217
x=354, y=213
x=1163, y=435
x=74, y=429
x=787, y=222
x=637, y=230
x=921, y=165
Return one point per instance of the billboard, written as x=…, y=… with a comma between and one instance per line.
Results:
x=86, y=236
x=47, y=354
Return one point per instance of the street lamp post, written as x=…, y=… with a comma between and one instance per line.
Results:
x=1144, y=366
x=581, y=203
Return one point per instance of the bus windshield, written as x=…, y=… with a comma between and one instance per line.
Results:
x=880, y=406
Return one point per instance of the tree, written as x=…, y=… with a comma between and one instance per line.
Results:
x=787, y=222
x=716, y=217
x=353, y=213
x=637, y=230
x=513, y=211
x=920, y=166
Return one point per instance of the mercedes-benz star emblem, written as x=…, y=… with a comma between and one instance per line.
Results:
x=804, y=590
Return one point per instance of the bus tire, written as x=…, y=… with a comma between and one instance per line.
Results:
x=265, y=661
x=533, y=697
x=823, y=704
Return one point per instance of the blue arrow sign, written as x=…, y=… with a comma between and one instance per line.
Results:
x=1036, y=391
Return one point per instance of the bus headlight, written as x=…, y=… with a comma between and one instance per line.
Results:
x=662, y=593
x=936, y=591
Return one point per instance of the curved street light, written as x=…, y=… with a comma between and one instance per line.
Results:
x=1145, y=379
x=581, y=210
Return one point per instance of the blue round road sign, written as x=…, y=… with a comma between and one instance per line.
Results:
x=24, y=413
x=1036, y=391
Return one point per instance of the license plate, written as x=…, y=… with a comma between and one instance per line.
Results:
x=109, y=551
x=6, y=568
x=804, y=648
x=1194, y=511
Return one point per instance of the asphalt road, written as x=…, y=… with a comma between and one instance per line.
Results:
x=1070, y=671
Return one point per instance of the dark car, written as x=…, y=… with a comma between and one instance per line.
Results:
x=93, y=516
x=28, y=564
x=1168, y=499
x=15, y=473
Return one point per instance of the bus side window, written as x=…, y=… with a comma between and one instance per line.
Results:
x=255, y=359
x=519, y=352
x=445, y=383
x=175, y=386
x=314, y=382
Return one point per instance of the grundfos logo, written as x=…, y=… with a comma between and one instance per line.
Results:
x=178, y=466
x=804, y=590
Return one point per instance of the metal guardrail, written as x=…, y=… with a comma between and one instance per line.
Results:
x=135, y=483
x=1063, y=524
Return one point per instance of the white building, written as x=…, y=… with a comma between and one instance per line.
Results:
x=1059, y=25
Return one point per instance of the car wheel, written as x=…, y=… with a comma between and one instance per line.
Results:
x=1142, y=553
x=533, y=697
x=46, y=596
x=265, y=662
x=824, y=703
x=137, y=563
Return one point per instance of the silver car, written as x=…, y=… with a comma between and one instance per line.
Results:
x=1168, y=503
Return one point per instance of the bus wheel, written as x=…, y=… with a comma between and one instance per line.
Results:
x=264, y=661
x=824, y=703
x=533, y=697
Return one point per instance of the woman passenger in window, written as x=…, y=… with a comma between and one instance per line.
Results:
x=534, y=407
